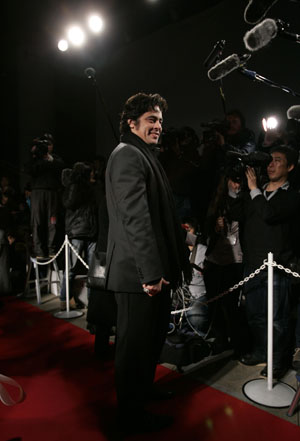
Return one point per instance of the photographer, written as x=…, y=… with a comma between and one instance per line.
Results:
x=180, y=159
x=45, y=169
x=218, y=138
x=268, y=215
x=80, y=221
x=223, y=265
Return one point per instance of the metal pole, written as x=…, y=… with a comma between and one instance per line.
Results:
x=270, y=321
x=67, y=314
x=67, y=273
x=37, y=282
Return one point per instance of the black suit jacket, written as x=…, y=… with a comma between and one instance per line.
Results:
x=145, y=241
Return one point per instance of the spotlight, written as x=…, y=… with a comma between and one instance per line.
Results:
x=95, y=23
x=76, y=35
x=270, y=123
x=63, y=45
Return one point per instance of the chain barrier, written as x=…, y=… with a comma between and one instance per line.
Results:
x=66, y=241
x=35, y=260
x=287, y=270
x=219, y=296
x=77, y=255
x=180, y=291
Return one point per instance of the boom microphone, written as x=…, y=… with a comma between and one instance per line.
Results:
x=256, y=10
x=215, y=54
x=263, y=33
x=294, y=113
x=226, y=66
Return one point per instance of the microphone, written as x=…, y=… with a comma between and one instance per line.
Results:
x=294, y=113
x=226, y=66
x=263, y=33
x=90, y=73
x=256, y=10
x=260, y=35
x=214, y=54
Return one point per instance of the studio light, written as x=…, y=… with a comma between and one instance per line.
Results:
x=63, y=45
x=95, y=23
x=76, y=36
x=270, y=123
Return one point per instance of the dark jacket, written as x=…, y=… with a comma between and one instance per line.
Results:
x=81, y=211
x=145, y=240
x=45, y=175
x=267, y=225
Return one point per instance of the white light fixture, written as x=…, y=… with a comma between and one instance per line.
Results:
x=270, y=123
x=95, y=23
x=63, y=45
x=76, y=35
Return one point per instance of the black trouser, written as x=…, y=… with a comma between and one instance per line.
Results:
x=102, y=313
x=5, y=282
x=142, y=326
x=44, y=207
x=256, y=292
x=225, y=311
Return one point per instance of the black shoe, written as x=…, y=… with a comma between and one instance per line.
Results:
x=251, y=360
x=143, y=422
x=278, y=372
x=160, y=395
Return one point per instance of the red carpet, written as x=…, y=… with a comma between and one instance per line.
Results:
x=70, y=395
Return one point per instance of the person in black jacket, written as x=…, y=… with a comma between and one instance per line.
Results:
x=146, y=255
x=268, y=216
x=45, y=170
x=80, y=219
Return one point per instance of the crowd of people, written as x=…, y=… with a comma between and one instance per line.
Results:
x=170, y=209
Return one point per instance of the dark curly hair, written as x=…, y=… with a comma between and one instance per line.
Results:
x=139, y=104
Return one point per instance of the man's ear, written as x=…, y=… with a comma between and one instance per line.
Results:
x=131, y=123
x=291, y=167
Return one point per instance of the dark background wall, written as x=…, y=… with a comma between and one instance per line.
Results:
x=46, y=90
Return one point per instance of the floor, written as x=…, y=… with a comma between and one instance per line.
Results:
x=220, y=371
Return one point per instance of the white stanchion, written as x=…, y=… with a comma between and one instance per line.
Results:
x=270, y=321
x=264, y=392
x=67, y=314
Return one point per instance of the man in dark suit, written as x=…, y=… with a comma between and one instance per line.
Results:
x=146, y=257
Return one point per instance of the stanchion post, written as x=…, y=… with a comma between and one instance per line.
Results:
x=67, y=273
x=37, y=282
x=259, y=390
x=270, y=321
x=67, y=313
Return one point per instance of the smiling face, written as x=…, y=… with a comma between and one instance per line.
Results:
x=148, y=126
x=278, y=169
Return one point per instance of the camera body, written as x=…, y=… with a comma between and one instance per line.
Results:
x=237, y=163
x=41, y=148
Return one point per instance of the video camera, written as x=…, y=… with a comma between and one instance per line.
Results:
x=237, y=163
x=41, y=148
